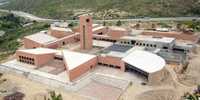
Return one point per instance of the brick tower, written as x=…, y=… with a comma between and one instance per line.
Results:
x=86, y=32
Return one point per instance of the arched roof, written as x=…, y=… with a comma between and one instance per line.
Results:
x=145, y=61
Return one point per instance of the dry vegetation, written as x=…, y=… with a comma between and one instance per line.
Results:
x=66, y=9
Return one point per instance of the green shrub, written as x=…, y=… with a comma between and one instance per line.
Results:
x=54, y=96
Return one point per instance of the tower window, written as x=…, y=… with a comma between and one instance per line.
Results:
x=87, y=20
x=63, y=43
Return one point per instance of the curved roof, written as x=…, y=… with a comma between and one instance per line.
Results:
x=145, y=61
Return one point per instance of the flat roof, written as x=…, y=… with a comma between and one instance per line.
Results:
x=173, y=34
x=117, y=28
x=98, y=28
x=39, y=51
x=61, y=29
x=74, y=59
x=118, y=48
x=41, y=37
x=99, y=43
x=145, y=61
x=60, y=24
x=136, y=32
x=149, y=38
x=121, y=54
x=96, y=25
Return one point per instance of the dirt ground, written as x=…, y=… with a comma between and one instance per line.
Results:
x=34, y=90
x=162, y=94
x=100, y=91
x=185, y=82
x=191, y=76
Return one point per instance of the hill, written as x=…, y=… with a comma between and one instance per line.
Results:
x=67, y=9
x=13, y=30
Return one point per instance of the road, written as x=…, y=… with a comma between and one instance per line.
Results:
x=35, y=18
x=28, y=16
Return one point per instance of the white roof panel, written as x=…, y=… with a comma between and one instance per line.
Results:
x=98, y=28
x=74, y=59
x=150, y=38
x=61, y=29
x=136, y=32
x=145, y=61
x=40, y=51
x=99, y=43
x=117, y=28
x=41, y=37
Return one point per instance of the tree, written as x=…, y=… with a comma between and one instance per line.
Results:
x=71, y=24
x=54, y=96
x=119, y=23
x=195, y=25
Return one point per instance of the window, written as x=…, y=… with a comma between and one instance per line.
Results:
x=100, y=33
x=87, y=20
x=27, y=60
x=91, y=67
x=63, y=43
x=133, y=42
x=58, y=58
x=165, y=47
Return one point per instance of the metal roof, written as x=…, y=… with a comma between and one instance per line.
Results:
x=119, y=48
x=145, y=61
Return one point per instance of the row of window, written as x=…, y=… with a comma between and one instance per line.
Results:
x=140, y=44
x=109, y=40
x=113, y=66
x=27, y=60
x=147, y=45
x=58, y=58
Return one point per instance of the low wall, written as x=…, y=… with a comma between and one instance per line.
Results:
x=38, y=76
